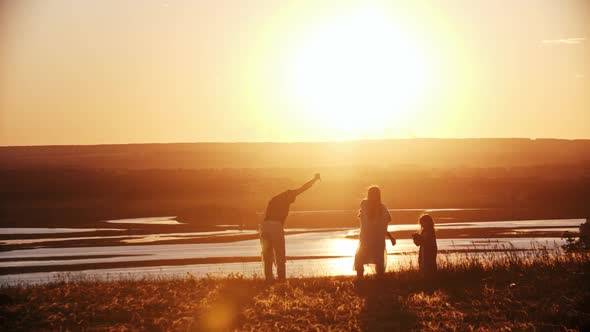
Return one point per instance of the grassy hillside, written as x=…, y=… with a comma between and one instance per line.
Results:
x=492, y=152
x=228, y=183
x=75, y=198
x=524, y=293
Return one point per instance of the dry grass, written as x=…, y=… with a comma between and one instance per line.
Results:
x=516, y=291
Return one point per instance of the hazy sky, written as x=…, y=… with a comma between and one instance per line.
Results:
x=124, y=71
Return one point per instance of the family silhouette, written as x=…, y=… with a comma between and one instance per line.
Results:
x=373, y=217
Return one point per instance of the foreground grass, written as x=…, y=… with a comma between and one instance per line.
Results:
x=539, y=292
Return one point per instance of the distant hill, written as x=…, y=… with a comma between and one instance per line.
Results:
x=228, y=183
x=424, y=152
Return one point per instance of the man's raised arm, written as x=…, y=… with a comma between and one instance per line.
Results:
x=308, y=184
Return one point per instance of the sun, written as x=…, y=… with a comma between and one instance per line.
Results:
x=356, y=73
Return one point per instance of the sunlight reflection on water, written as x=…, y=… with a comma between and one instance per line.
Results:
x=146, y=221
x=332, y=243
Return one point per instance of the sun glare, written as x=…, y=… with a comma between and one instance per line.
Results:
x=356, y=73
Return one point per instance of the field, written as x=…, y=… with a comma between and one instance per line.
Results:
x=533, y=291
x=204, y=184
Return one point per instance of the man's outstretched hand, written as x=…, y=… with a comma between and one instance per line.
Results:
x=308, y=184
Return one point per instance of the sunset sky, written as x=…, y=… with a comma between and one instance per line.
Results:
x=127, y=71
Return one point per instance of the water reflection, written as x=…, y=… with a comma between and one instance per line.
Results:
x=147, y=221
x=134, y=238
x=313, y=243
x=43, y=230
x=295, y=268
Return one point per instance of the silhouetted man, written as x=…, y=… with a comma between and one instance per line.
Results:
x=272, y=236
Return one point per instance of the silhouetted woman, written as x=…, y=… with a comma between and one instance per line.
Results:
x=426, y=239
x=374, y=217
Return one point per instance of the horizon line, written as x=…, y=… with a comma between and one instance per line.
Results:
x=301, y=141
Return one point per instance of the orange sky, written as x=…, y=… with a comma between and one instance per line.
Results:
x=123, y=71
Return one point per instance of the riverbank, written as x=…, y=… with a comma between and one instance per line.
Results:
x=545, y=290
